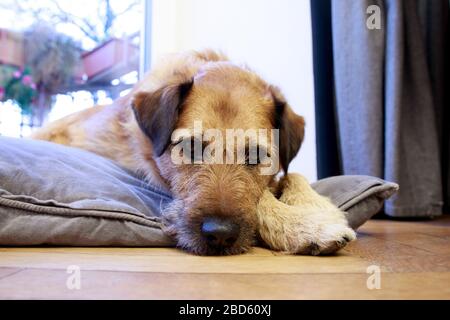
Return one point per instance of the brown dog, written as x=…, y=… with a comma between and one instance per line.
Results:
x=215, y=207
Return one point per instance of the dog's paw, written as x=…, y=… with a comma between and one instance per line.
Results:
x=323, y=228
x=317, y=232
x=302, y=230
x=323, y=239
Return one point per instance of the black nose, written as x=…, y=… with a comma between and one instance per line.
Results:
x=220, y=232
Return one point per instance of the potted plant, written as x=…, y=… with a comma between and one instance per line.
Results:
x=18, y=85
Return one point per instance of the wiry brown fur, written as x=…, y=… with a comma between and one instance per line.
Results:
x=301, y=221
x=135, y=131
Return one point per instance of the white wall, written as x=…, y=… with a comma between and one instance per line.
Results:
x=272, y=36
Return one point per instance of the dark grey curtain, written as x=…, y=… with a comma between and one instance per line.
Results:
x=391, y=98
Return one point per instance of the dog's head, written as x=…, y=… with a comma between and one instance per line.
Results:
x=214, y=144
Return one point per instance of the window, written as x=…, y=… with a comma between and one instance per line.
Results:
x=61, y=56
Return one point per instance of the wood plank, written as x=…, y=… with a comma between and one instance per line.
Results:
x=183, y=263
x=6, y=272
x=51, y=284
x=438, y=227
x=397, y=257
x=125, y=251
x=434, y=244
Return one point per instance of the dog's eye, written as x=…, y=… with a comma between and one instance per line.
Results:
x=191, y=150
x=196, y=155
x=196, y=150
x=256, y=156
x=252, y=157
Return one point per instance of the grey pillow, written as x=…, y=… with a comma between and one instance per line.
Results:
x=360, y=197
x=52, y=194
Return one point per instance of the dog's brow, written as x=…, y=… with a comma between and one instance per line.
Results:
x=186, y=137
x=191, y=138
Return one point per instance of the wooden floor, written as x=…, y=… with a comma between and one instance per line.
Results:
x=414, y=259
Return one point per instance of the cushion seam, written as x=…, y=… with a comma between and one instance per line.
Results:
x=367, y=186
x=51, y=203
x=370, y=192
x=73, y=213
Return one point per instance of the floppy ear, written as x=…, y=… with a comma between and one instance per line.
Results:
x=292, y=129
x=157, y=112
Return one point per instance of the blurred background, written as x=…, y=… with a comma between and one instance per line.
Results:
x=369, y=76
x=58, y=57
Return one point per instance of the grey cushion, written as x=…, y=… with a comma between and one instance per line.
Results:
x=360, y=197
x=52, y=194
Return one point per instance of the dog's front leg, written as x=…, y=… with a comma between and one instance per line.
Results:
x=302, y=221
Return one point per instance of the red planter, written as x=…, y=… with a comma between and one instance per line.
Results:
x=11, y=48
x=111, y=57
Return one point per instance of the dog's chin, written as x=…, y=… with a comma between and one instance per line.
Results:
x=200, y=247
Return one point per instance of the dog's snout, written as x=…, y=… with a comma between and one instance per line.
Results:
x=220, y=232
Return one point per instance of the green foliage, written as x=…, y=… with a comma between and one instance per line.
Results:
x=18, y=86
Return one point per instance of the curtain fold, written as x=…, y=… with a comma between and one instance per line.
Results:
x=391, y=98
x=327, y=150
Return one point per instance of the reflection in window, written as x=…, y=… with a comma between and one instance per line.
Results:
x=62, y=56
